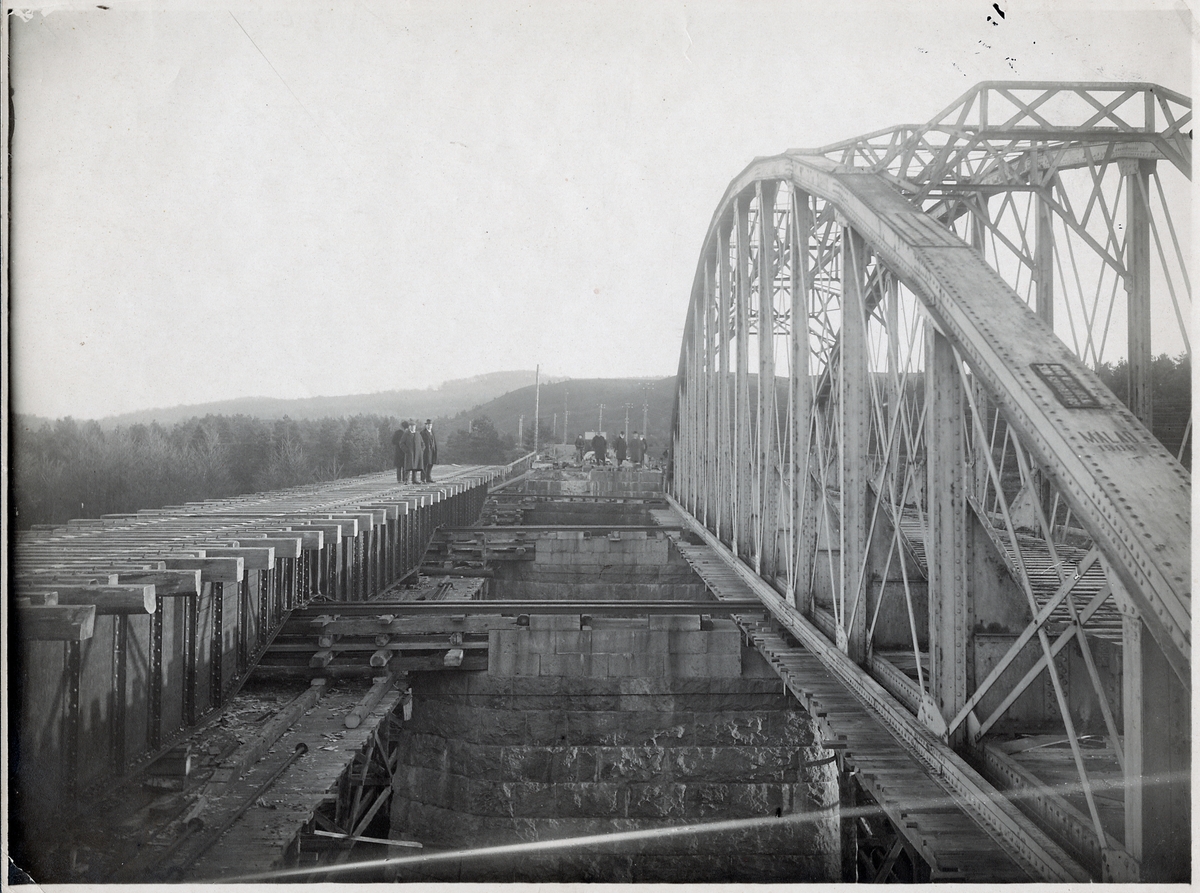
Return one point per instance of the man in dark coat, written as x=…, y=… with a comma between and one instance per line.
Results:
x=428, y=451
x=619, y=449
x=400, y=451
x=580, y=446
x=599, y=448
x=404, y=442
x=637, y=449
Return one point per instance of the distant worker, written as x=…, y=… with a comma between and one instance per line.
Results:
x=599, y=449
x=428, y=451
x=580, y=446
x=637, y=449
x=619, y=448
x=405, y=443
x=415, y=455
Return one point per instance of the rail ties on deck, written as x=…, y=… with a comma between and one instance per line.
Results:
x=134, y=627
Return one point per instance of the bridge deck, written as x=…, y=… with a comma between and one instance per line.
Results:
x=256, y=842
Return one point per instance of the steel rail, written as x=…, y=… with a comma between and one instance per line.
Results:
x=300, y=750
x=554, y=528
x=611, y=607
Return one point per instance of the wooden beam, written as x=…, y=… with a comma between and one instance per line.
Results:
x=350, y=525
x=291, y=547
x=370, y=701
x=252, y=558
x=235, y=765
x=331, y=530
x=381, y=657
x=110, y=600
x=212, y=570
x=166, y=583
x=56, y=623
x=310, y=540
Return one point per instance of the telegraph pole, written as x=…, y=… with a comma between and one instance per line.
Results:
x=537, y=397
x=566, y=414
x=600, y=426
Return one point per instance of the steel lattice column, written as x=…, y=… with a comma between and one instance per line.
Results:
x=765, y=460
x=950, y=620
x=1137, y=286
x=742, y=479
x=855, y=424
x=804, y=529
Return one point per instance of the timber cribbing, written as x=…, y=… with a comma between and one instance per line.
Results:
x=133, y=628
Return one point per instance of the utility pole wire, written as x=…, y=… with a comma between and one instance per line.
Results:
x=311, y=117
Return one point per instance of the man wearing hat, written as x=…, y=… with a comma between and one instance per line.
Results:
x=405, y=442
x=428, y=450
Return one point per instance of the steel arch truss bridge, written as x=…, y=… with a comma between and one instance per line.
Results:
x=889, y=412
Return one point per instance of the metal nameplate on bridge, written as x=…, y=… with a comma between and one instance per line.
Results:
x=1066, y=387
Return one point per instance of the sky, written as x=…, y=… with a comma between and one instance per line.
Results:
x=218, y=200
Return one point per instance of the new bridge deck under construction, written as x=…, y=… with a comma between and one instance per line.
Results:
x=908, y=599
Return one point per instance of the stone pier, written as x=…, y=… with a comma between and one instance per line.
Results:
x=628, y=726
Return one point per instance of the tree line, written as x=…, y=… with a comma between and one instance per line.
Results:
x=69, y=469
x=1171, y=387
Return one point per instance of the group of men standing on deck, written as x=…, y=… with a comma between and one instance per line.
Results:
x=635, y=448
x=416, y=452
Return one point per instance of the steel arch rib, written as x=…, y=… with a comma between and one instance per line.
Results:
x=1129, y=492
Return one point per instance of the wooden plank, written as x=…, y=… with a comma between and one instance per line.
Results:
x=291, y=547
x=252, y=558
x=56, y=623
x=332, y=532
x=126, y=599
x=166, y=583
x=212, y=570
x=233, y=766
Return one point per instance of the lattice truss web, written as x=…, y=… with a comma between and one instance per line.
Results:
x=1063, y=188
x=816, y=471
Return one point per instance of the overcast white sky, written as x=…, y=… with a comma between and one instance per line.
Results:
x=219, y=200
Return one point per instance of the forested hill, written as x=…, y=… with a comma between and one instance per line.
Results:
x=582, y=397
x=445, y=400
x=66, y=469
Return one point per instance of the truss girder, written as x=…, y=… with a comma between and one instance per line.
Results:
x=965, y=145
x=924, y=471
x=1125, y=489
